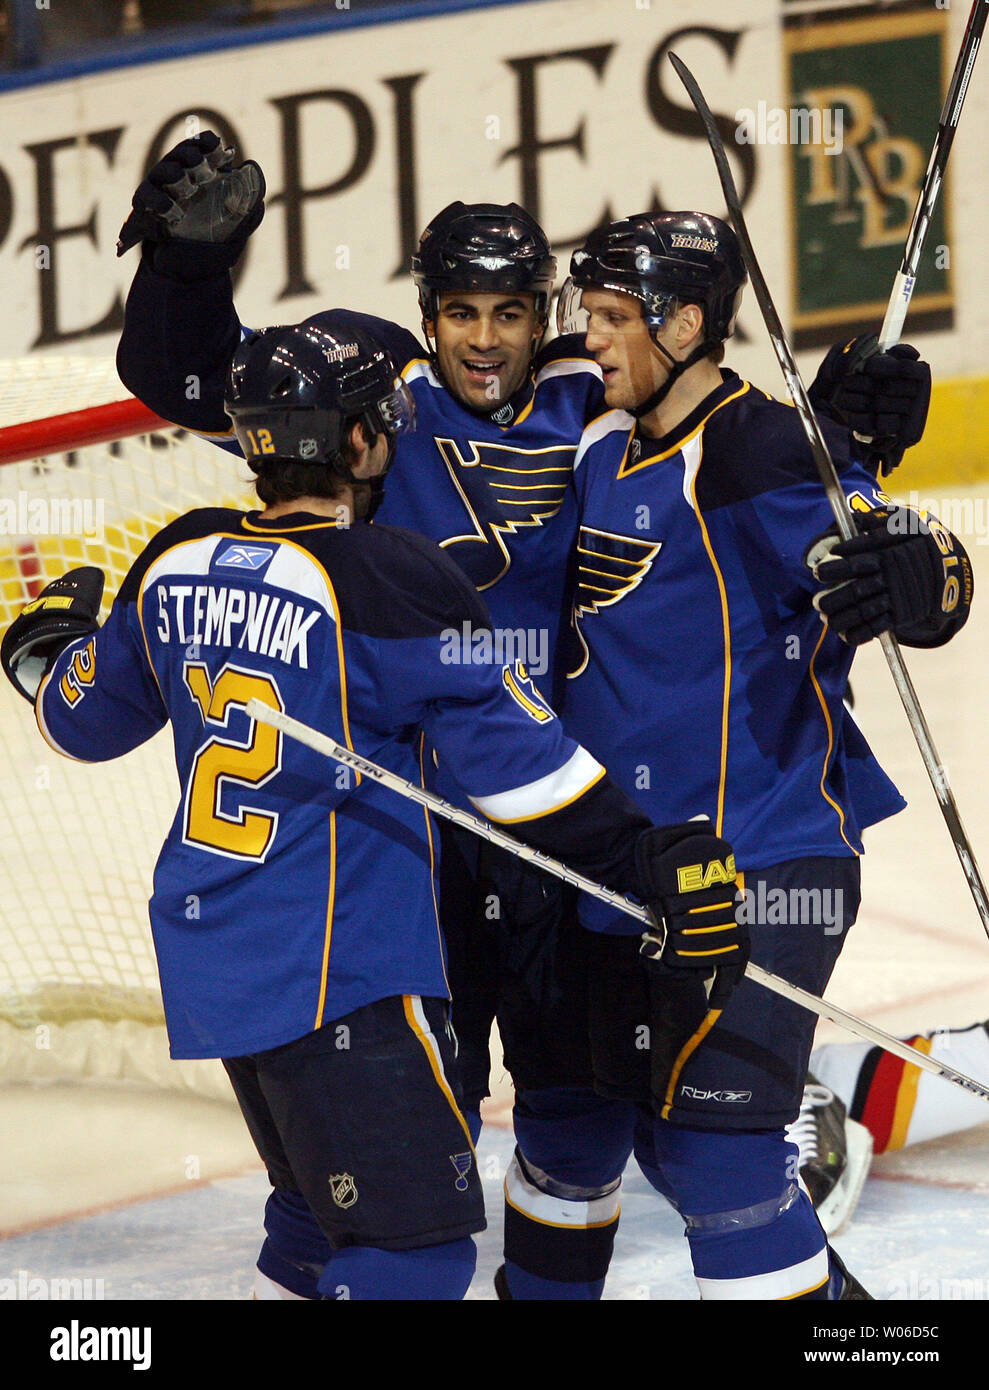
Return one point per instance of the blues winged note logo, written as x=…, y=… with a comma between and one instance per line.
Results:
x=609, y=568
x=504, y=489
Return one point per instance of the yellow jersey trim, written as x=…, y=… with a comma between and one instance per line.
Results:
x=624, y=472
x=726, y=631
x=830, y=748
x=328, y=934
x=432, y=861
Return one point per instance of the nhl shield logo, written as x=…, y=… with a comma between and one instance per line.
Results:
x=343, y=1190
x=307, y=448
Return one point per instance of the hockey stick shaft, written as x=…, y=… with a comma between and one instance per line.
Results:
x=906, y=276
x=837, y=498
x=329, y=748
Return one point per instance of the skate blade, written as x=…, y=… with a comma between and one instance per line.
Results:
x=835, y=1211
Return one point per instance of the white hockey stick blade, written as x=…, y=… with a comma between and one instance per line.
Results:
x=329, y=748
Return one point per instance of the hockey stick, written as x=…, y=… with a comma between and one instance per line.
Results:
x=899, y=299
x=836, y=497
x=329, y=748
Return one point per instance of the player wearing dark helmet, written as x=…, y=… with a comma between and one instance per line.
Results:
x=702, y=674
x=295, y=395
x=485, y=276
x=675, y=258
x=486, y=474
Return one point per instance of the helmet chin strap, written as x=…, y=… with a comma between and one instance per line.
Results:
x=676, y=370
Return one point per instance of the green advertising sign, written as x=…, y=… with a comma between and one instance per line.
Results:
x=856, y=172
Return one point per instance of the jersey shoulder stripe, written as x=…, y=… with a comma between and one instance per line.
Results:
x=421, y=369
x=611, y=422
x=756, y=444
x=568, y=366
x=564, y=346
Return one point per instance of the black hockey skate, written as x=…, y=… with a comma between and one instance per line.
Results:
x=835, y=1153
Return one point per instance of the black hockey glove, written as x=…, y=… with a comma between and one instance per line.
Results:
x=195, y=209
x=688, y=874
x=697, y=953
x=64, y=610
x=882, y=396
x=903, y=573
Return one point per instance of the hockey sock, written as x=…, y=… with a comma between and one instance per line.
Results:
x=897, y=1102
x=562, y=1193
x=752, y=1231
x=429, y=1272
x=295, y=1251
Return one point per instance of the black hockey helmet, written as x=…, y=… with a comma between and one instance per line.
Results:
x=295, y=392
x=663, y=259
x=483, y=248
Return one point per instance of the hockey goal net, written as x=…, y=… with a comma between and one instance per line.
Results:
x=87, y=476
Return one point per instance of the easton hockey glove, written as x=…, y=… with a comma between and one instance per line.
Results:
x=882, y=396
x=195, y=210
x=697, y=953
x=904, y=573
x=688, y=873
x=64, y=610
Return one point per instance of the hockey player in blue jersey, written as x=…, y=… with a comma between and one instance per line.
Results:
x=294, y=910
x=714, y=624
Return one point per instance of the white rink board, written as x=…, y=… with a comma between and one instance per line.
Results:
x=425, y=112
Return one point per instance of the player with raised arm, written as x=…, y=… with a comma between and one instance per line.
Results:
x=703, y=674
x=294, y=912
x=486, y=474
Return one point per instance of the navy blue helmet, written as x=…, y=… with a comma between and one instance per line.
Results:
x=662, y=259
x=295, y=392
x=483, y=248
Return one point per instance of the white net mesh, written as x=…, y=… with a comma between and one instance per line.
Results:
x=78, y=982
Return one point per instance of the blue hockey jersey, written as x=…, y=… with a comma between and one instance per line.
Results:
x=288, y=893
x=700, y=672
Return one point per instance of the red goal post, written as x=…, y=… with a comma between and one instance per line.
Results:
x=87, y=476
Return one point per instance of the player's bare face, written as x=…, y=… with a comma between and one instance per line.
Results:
x=618, y=336
x=484, y=345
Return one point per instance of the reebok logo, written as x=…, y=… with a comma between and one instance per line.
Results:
x=723, y=1097
x=244, y=557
